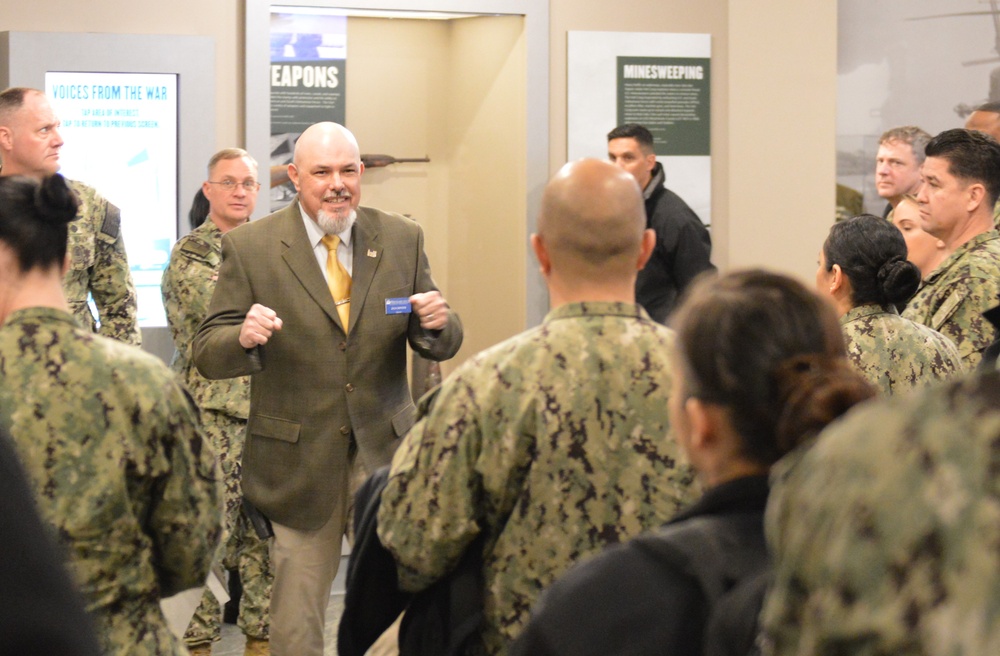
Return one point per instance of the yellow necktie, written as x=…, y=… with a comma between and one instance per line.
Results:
x=338, y=279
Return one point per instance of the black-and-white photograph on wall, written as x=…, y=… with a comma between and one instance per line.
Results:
x=926, y=63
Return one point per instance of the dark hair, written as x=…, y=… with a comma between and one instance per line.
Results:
x=199, y=209
x=992, y=106
x=872, y=254
x=772, y=353
x=971, y=156
x=633, y=131
x=34, y=217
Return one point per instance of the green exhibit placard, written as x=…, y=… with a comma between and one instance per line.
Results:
x=669, y=96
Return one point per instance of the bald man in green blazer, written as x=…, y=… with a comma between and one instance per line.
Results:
x=327, y=402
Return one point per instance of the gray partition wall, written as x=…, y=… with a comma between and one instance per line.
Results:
x=25, y=58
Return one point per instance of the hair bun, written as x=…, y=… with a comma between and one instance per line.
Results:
x=816, y=389
x=898, y=279
x=55, y=202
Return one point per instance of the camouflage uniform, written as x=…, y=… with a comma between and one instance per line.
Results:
x=850, y=203
x=187, y=287
x=955, y=295
x=554, y=444
x=120, y=471
x=885, y=532
x=98, y=266
x=896, y=354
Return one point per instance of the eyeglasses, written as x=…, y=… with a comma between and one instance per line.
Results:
x=230, y=185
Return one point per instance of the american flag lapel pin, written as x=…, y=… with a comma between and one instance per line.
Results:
x=372, y=253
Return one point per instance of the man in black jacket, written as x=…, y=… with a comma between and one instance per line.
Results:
x=683, y=246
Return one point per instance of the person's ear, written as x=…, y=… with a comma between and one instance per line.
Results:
x=646, y=248
x=977, y=196
x=700, y=423
x=541, y=254
x=836, y=278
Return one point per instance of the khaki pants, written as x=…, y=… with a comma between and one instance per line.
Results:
x=304, y=564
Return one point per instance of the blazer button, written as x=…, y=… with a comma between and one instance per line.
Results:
x=342, y=346
x=344, y=430
x=349, y=387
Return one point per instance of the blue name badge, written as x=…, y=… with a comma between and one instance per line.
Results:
x=397, y=306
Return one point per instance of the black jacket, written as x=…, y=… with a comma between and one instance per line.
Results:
x=683, y=248
x=989, y=360
x=41, y=611
x=657, y=593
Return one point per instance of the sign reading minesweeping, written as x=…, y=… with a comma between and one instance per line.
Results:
x=670, y=96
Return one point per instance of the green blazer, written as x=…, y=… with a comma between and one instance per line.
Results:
x=316, y=393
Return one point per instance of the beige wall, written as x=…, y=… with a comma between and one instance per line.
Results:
x=773, y=92
x=220, y=19
x=453, y=91
x=781, y=147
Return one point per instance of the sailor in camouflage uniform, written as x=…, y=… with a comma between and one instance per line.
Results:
x=554, y=443
x=896, y=354
x=986, y=119
x=885, y=532
x=863, y=269
x=961, y=183
x=99, y=267
x=29, y=145
x=188, y=283
x=108, y=436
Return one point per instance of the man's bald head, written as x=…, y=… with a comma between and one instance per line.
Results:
x=985, y=119
x=592, y=220
x=326, y=170
x=324, y=137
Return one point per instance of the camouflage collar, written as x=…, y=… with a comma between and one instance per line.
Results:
x=41, y=314
x=959, y=253
x=596, y=309
x=866, y=310
x=207, y=227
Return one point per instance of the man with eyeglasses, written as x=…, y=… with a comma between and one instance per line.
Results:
x=30, y=144
x=188, y=283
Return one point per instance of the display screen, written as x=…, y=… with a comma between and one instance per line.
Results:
x=120, y=134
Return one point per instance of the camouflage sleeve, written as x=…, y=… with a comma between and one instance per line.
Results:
x=960, y=318
x=216, y=350
x=111, y=282
x=186, y=291
x=877, y=534
x=429, y=508
x=186, y=514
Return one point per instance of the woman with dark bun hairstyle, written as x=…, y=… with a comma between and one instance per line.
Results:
x=864, y=270
x=120, y=471
x=759, y=368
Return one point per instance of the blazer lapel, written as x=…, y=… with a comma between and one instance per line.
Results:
x=367, y=255
x=298, y=255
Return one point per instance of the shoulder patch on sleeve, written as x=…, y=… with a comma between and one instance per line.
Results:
x=946, y=310
x=112, y=222
x=195, y=247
